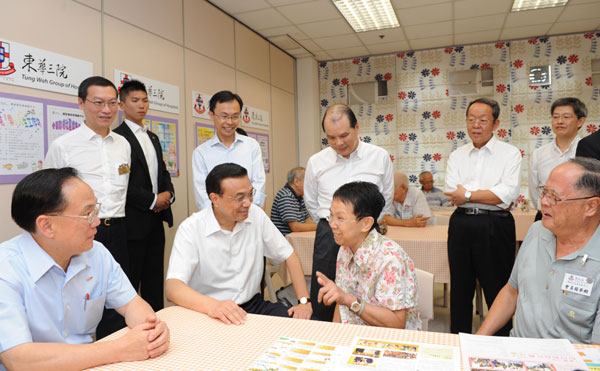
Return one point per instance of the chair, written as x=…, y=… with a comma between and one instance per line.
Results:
x=425, y=296
x=270, y=270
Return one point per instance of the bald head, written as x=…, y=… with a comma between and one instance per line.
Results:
x=400, y=186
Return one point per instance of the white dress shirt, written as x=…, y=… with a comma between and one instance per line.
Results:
x=415, y=203
x=226, y=265
x=543, y=161
x=327, y=171
x=98, y=161
x=494, y=167
x=149, y=154
x=244, y=151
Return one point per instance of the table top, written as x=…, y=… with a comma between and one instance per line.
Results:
x=199, y=342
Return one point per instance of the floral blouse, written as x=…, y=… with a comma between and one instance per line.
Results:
x=382, y=274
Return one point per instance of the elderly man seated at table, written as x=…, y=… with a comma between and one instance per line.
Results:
x=553, y=288
x=435, y=196
x=216, y=265
x=410, y=206
x=375, y=282
x=55, y=281
x=288, y=212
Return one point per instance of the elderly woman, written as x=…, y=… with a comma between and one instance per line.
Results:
x=375, y=280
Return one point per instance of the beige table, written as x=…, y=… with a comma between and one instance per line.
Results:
x=199, y=342
x=523, y=219
x=426, y=246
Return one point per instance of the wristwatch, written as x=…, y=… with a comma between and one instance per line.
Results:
x=304, y=300
x=357, y=306
x=468, y=196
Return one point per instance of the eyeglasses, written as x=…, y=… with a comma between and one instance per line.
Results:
x=232, y=118
x=90, y=217
x=553, y=199
x=241, y=198
x=473, y=121
x=564, y=117
x=337, y=222
x=101, y=103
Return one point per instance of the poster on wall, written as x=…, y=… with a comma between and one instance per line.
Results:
x=62, y=119
x=200, y=105
x=31, y=67
x=162, y=96
x=255, y=118
x=166, y=130
x=21, y=137
x=203, y=133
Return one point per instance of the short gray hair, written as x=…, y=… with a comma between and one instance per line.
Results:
x=295, y=173
x=423, y=173
x=590, y=179
x=400, y=179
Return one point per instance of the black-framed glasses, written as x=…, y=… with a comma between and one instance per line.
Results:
x=90, y=217
x=553, y=198
x=241, y=198
x=101, y=103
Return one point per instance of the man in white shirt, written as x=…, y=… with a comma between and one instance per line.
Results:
x=149, y=197
x=102, y=159
x=227, y=146
x=410, y=205
x=347, y=159
x=482, y=179
x=568, y=116
x=216, y=265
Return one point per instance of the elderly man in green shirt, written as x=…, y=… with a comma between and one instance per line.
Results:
x=553, y=288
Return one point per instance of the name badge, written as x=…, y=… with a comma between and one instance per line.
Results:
x=124, y=169
x=577, y=284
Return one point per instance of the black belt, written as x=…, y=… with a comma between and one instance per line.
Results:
x=107, y=222
x=478, y=211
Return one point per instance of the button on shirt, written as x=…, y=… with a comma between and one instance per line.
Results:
x=494, y=167
x=244, y=151
x=543, y=161
x=226, y=265
x=415, y=204
x=143, y=139
x=544, y=310
x=39, y=302
x=327, y=171
x=97, y=160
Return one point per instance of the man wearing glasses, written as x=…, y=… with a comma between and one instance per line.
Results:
x=553, y=288
x=216, y=263
x=55, y=280
x=482, y=179
x=568, y=116
x=225, y=110
x=102, y=158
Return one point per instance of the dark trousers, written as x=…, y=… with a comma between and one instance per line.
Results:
x=146, y=262
x=324, y=260
x=479, y=247
x=114, y=238
x=257, y=305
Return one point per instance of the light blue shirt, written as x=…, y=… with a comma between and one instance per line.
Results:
x=244, y=151
x=39, y=302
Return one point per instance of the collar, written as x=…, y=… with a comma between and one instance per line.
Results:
x=572, y=145
x=287, y=185
x=216, y=141
x=134, y=127
x=358, y=153
x=490, y=145
x=363, y=254
x=37, y=259
x=590, y=248
x=213, y=226
x=89, y=134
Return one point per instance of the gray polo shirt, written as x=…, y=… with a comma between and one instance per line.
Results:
x=544, y=309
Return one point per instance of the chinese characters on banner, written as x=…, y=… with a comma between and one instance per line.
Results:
x=200, y=105
x=61, y=120
x=162, y=96
x=255, y=118
x=31, y=67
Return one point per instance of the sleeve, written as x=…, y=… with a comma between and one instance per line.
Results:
x=14, y=326
x=397, y=289
x=508, y=189
x=119, y=290
x=451, y=179
x=184, y=255
x=311, y=192
x=421, y=206
x=276, y=247
x=199, y=173
x=55, y=158
x=388, y=186
x=257, y=176
x=533, y=179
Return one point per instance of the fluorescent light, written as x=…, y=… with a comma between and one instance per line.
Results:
x=519, y=5
x=367, y=15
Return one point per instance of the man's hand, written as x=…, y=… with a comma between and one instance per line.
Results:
x=330, y=292
x=158, y=337
x=228, y=312
x=457, y=197
x=163, y=201
x=417, y=221
x=134, y=345
x=302, y=311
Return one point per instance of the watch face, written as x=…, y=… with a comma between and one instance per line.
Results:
x=355, y=307
x=303, y=300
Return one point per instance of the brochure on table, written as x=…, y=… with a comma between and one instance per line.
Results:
x=511, y=353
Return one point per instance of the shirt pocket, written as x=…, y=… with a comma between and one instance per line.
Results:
x=120, y=175
x=92, y=313
x=576, y=318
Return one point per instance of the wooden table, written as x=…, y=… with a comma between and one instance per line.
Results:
x=199, y=342
x=523, y=219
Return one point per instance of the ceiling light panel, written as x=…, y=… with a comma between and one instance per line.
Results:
x=519, y=5
x=368, y=15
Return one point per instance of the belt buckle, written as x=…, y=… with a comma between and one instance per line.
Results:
x=106, y=222
x=472, y=211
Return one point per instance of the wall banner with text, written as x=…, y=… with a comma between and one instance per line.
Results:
x=255, y=118
x=162, y=96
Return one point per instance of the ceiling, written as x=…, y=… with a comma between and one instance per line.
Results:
x=316, y=28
